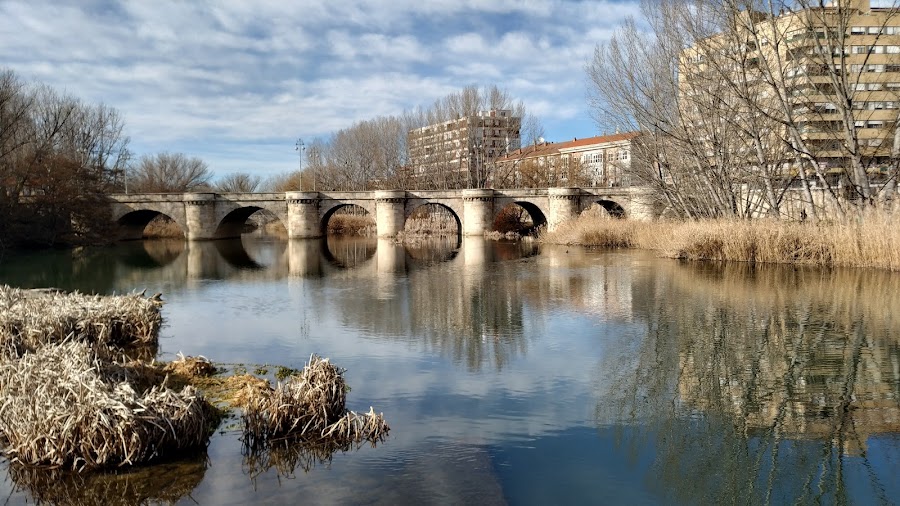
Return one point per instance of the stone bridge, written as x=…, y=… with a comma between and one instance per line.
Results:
x=306, y=214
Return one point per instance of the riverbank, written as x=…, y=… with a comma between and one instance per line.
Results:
x=871, y=241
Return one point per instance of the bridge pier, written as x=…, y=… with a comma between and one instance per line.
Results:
x=390, y=212
x=564, y=204
x=303, y=215
x=200, y=216
x=478, y=211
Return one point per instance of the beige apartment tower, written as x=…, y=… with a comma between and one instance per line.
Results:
x=460, y=153
x=827, y=80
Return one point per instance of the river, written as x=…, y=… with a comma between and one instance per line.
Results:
x=518, y=373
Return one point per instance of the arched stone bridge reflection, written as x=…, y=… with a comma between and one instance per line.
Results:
x=306, y=214
x=181, y=261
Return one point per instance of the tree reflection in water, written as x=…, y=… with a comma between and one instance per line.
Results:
x=763, y=384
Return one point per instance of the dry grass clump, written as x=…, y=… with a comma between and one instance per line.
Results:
x=30, y=319
x=594, y=228
x=428, y=221
x=869, y=239
x=191, y=367
x=310, y=406
x=351, y=224
x=59, y=409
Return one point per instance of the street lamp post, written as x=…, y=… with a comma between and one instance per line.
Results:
x=300, y=147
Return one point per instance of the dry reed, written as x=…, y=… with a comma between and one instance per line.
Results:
x=62, y=406
x=70, y=399
x=162, y=227
x=871, y=239
x=440, y=224
x=351, y=224
x=309, y=406
x=124, y=324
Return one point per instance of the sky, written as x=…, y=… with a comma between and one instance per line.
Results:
x=238, y=82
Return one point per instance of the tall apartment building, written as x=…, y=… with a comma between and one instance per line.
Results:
x=594, y=161
x=460, y=153
x=838, y=69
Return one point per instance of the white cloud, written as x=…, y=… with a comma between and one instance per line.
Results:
x=201, y=75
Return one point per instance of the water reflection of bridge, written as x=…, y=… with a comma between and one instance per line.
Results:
x=266, y=258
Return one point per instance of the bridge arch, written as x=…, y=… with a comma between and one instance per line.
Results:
x=338, y=206
x=133, y=222
x=613, y=208
x=538, y=215
x=234, y=222
x=418, y=205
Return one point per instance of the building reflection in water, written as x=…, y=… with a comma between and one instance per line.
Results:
x=774, y=376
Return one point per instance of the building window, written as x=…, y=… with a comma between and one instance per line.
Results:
x=857, y=30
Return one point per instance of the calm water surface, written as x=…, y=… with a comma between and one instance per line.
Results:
x=512, y=373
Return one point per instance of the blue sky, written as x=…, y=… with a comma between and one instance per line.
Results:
x=237, y=82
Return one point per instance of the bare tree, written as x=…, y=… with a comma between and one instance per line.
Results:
x=532, y=130
x=741, y=101
x=287, y=182
x=238, y=182
x=169, y=173
x=58, y=158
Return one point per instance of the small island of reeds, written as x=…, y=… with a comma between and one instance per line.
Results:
x=80, y=390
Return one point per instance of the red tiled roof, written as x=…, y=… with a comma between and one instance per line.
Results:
x=599, y=140
x=549, y=148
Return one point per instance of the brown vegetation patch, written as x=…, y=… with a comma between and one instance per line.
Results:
x=309, y=405
x=871, y=239
x=351, y=224
x=162, y=227
x=71, y=400
x=114, y=325
x=191, y=367
x=59, y=409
